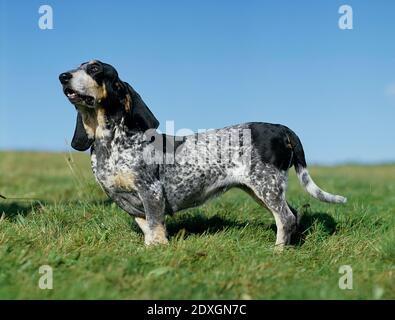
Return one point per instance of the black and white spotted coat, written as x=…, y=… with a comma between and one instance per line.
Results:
x=192, y=170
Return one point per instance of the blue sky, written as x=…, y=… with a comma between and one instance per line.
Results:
x=209, y=64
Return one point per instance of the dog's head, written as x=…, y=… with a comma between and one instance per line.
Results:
x=95, y=88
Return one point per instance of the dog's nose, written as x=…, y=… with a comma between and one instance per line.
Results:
x=65, y=77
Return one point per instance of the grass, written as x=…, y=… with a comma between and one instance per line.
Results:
x=222, y=250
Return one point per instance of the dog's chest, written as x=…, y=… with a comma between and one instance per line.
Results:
x=115, y=169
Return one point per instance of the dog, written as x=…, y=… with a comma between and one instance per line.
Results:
x=121, y=132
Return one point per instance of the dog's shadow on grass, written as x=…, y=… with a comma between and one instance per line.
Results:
x=200, y=224
x=11, y=210
x=307, y=225
x=194, y=224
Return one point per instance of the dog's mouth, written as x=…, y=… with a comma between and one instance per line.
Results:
x=76, y=97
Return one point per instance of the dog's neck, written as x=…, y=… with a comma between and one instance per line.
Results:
x=101, y=122
x=102, y=127
x=96, y=123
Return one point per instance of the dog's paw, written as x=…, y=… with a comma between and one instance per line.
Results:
x=279, y=248
x=156, y=240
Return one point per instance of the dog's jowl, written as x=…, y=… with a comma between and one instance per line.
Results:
x=150, y=175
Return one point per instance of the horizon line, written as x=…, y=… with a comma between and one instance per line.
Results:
x=311, y=163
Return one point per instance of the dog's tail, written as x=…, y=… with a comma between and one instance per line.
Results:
x=299, y=162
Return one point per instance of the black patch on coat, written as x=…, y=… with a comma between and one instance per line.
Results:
x=305, y=179
x=273, y=143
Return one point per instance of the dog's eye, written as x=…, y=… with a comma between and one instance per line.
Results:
x=94, y=68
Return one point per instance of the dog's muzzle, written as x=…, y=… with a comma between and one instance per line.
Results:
x=73, y=96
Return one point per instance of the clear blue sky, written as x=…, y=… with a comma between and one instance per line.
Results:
x=209, y=64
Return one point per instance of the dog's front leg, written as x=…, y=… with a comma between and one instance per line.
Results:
x=153, y=226
x=152, y=234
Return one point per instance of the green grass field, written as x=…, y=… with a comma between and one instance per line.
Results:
x=223, y=250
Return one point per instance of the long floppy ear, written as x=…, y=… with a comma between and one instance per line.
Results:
x=141, y=116
x=81, y=141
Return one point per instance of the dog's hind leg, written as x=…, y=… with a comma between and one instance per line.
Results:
x=271, y=194
x=285, y=222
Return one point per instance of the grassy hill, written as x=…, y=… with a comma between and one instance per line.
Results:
x=223, y=250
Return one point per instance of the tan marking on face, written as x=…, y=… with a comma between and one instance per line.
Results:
x=125, y=181
x=101, y=93
x=84, y=84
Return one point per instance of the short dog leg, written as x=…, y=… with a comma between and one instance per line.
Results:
x=271, y=194
x=284, y=217
x=142, y=223
x=286, y=224
x=153, y=225
x=155, y=235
